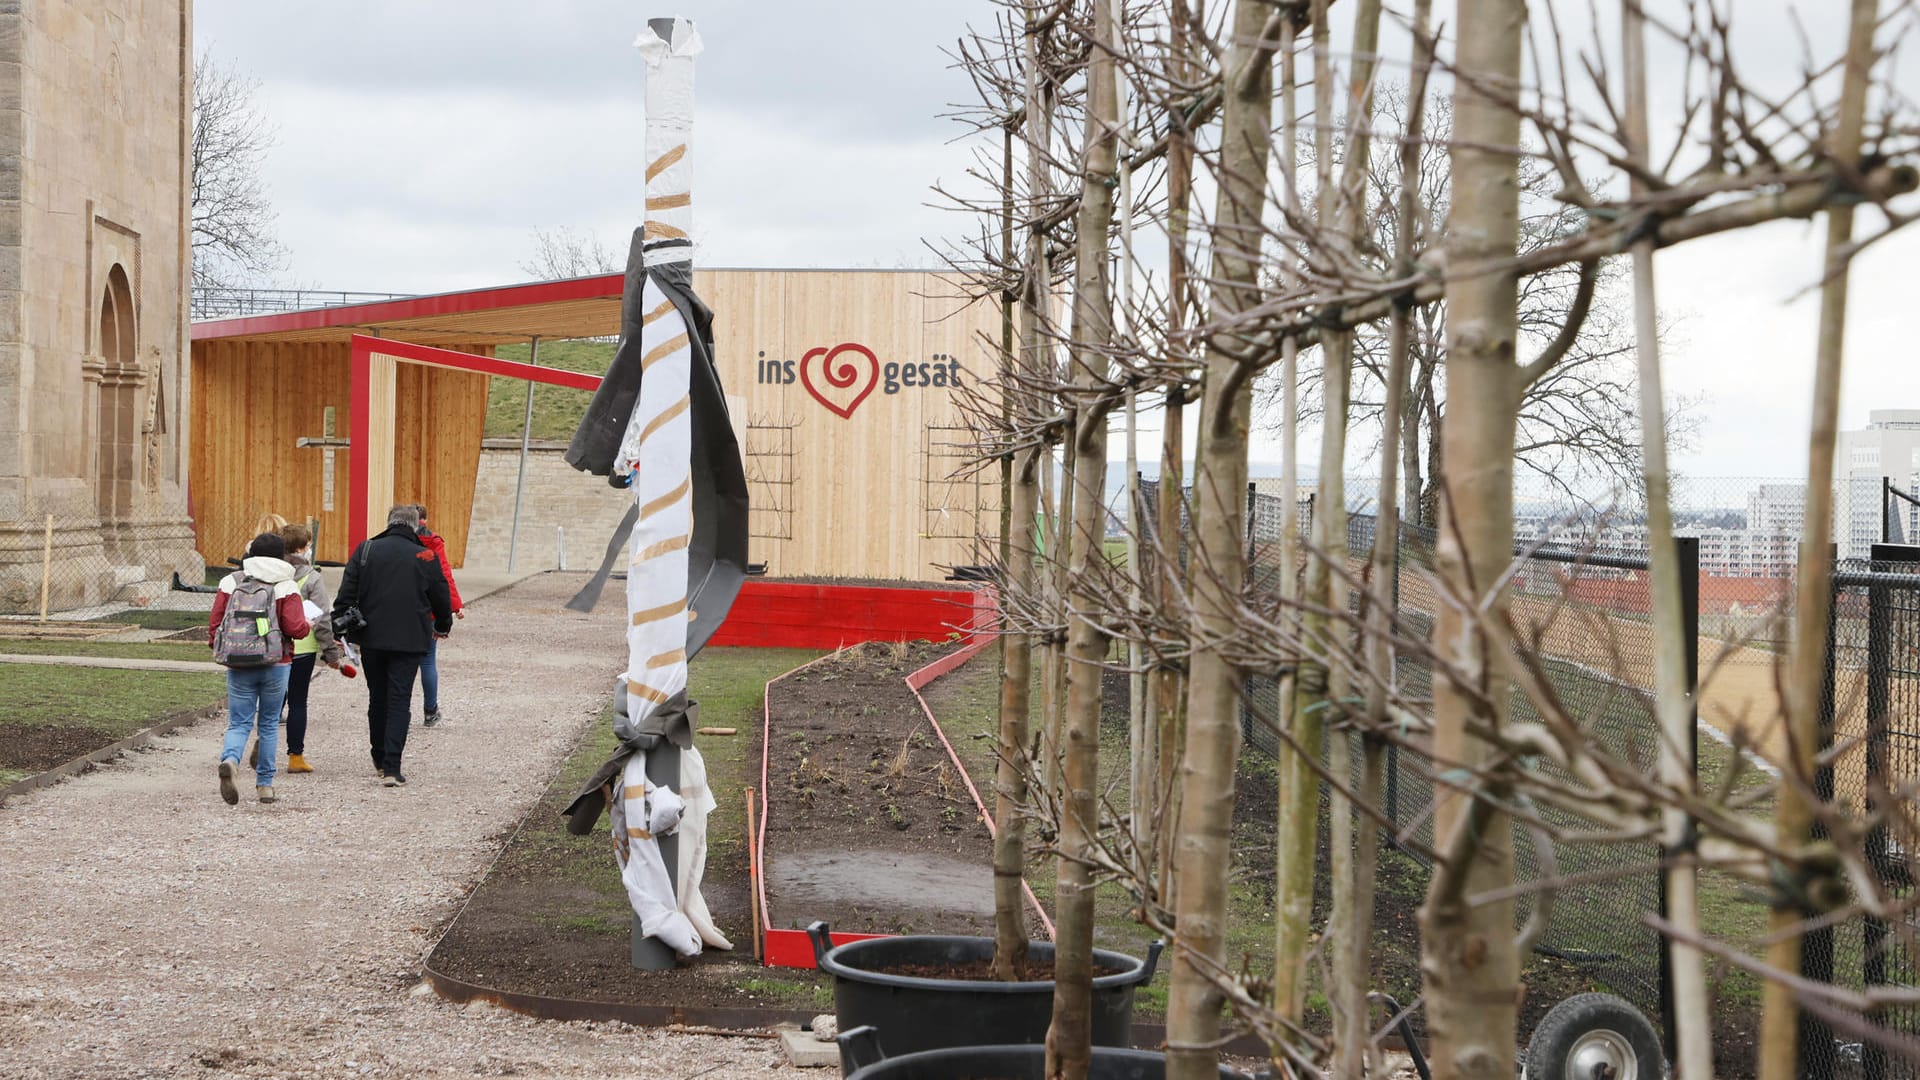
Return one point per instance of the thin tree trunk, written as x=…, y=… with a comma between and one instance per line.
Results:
x=1009, y=300
x=1016, y=685
x=1167, y=687
x=1070, y=1038
x=1411, y=428
x=1010, y=784
x=1060, y=613
x=1141, y=770
x=1356, y=966
x=1468, y=959
x=1793, y=816
x=1673, y=695
x=1213, y=729
x=1292, y=907
x=1352, y=889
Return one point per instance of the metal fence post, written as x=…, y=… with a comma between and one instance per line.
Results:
x=1687, y=554
x=1818, y=1053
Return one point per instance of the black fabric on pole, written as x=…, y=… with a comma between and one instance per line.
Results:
x=717, y=556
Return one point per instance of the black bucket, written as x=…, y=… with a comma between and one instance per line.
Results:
x=928, y=1014
x=861, y=1050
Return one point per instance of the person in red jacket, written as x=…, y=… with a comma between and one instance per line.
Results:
x=430, y=668
x=257, y=681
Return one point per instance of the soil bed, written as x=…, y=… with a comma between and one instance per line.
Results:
x=552, y=919
x=39, y=747
x=869, y=824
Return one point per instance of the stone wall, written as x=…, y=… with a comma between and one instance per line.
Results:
x=93, y=268
x=557, y=497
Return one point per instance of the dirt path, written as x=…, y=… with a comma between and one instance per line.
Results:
x=150, y=930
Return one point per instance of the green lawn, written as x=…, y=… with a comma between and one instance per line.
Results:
x=150, y=619
x=125, y=650
x=116, y=701
x=556, y=409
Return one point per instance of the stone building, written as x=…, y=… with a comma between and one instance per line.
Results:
x=94, y=130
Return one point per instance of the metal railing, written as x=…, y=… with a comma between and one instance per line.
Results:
x=223, y=302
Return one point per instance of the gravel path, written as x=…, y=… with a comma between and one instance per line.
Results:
x=149, y=930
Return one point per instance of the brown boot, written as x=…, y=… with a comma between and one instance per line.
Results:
x=298, y=763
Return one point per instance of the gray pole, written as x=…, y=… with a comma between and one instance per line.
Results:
x=526, y=434
x=663, y=770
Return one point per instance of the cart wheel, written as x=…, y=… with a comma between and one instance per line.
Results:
x=1594, y=1037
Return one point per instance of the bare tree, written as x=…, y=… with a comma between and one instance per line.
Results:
x=233, y=237
x=563, y=253
x=1578, y=428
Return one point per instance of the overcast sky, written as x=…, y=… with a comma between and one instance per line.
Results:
x=421, y=143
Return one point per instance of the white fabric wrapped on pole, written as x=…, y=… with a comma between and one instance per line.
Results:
x=637, y=849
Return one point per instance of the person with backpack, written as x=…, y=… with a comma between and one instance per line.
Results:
x=430, y=667
x=393, y=600
x=257, y=616
x=319, y=645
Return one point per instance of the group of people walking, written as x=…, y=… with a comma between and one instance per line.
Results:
x=272, y=623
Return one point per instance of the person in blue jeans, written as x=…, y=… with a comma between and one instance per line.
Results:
x=430, y=667
x=258, y=653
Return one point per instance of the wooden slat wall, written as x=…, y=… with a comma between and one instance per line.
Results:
x=251, y=401
x=442, y=416
x=859, y=498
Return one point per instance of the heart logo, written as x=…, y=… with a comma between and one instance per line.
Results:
x=841, y=372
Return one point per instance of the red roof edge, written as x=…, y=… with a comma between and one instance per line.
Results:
x=495, y=298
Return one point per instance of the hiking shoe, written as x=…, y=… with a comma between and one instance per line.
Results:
x=227, y=790
x=432, y=719
x=393, y=779
x=265, y=793
x=298, y=763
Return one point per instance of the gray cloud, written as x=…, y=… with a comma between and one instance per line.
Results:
x=854, y=68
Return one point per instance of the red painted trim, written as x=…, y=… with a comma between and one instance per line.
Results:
x=463, y=361
x=495, y=298
x=361, y=363
x=794, y=949
x=776, y=614
x=919, y=679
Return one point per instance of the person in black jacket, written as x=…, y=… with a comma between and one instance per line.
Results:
x=395, y=583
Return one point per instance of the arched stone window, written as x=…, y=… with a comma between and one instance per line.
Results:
x=118, y=452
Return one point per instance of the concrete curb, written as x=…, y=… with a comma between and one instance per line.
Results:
x=108, y=752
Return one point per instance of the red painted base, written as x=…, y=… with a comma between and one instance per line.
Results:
x=794, y=949
x=791, y=615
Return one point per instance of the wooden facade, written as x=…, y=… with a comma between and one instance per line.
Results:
x=254, y=401
x=870, y=494
x=841, y=384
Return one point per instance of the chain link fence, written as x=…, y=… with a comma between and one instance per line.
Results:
x=77, y=566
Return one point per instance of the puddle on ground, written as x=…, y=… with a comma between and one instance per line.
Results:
x=883, y=879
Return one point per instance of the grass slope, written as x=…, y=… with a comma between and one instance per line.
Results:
x=556, y=409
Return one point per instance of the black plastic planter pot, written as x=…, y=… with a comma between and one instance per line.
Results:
x=860, y=1049
x=914, y=1014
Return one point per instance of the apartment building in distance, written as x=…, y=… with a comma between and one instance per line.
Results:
x=1888, y=448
